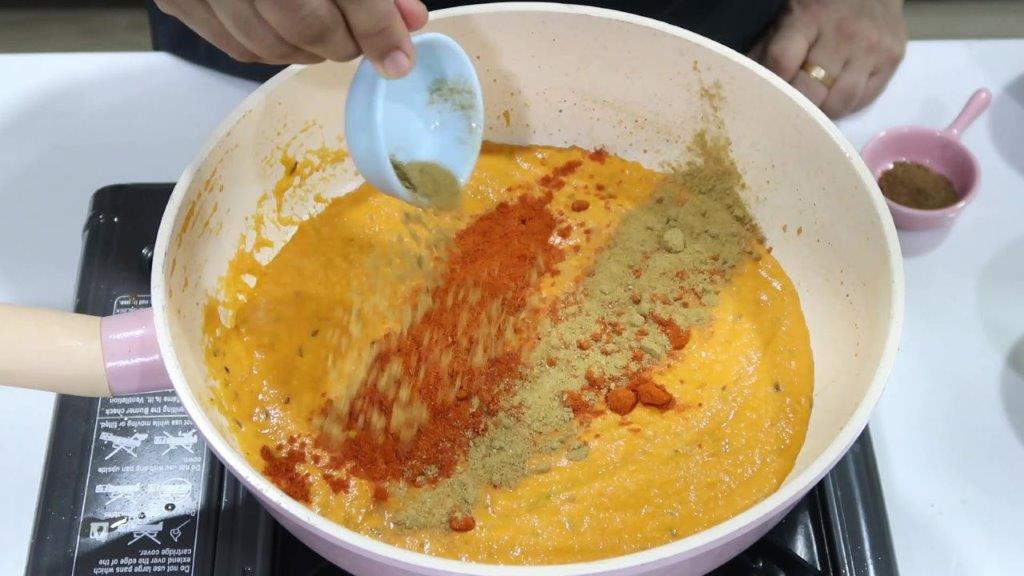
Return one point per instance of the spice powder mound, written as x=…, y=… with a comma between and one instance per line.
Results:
x=917, y=186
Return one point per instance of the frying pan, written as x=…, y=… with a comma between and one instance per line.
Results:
x=552, y=74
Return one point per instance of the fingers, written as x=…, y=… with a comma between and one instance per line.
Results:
x=316, y=26
x=255, y=33
x=413, y=12
x=876, y=83
x=848, y=89
x=815, y=91
x=796, y=41
x=858, y=44
x=832, y=58
x=201, y=18
x=788, y=47
x=888, y=60
x=307, y=31
x=380, y=31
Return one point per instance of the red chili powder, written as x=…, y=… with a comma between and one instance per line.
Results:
x=337, y=484
x=283, y=470
x=678, y=337
x=500, y=255
x=649, y=393
x=556, y=179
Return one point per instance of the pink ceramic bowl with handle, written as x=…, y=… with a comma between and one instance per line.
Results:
x=939, y=150
x=552, y=74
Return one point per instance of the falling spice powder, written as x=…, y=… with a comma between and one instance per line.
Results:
x=433, y=184
x=916, y=186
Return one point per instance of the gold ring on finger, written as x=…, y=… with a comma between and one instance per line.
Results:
x=818, y=73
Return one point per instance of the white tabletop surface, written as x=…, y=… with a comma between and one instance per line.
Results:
x=949, y=431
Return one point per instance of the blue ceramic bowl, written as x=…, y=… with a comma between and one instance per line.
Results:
x=415, y=119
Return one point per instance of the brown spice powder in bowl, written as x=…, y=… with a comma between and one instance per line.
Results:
x=917, y=186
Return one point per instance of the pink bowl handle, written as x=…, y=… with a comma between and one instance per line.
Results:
x=131, y=354
x=977, y=104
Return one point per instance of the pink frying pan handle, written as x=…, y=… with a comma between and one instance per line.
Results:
x=78, y=354
x=977, y=104
x=131, y=354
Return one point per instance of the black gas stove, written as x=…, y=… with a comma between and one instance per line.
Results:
x=131, y=488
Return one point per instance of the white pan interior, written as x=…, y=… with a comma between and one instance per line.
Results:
x=574, y=76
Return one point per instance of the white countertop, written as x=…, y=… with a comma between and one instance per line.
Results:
x=949, y=431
